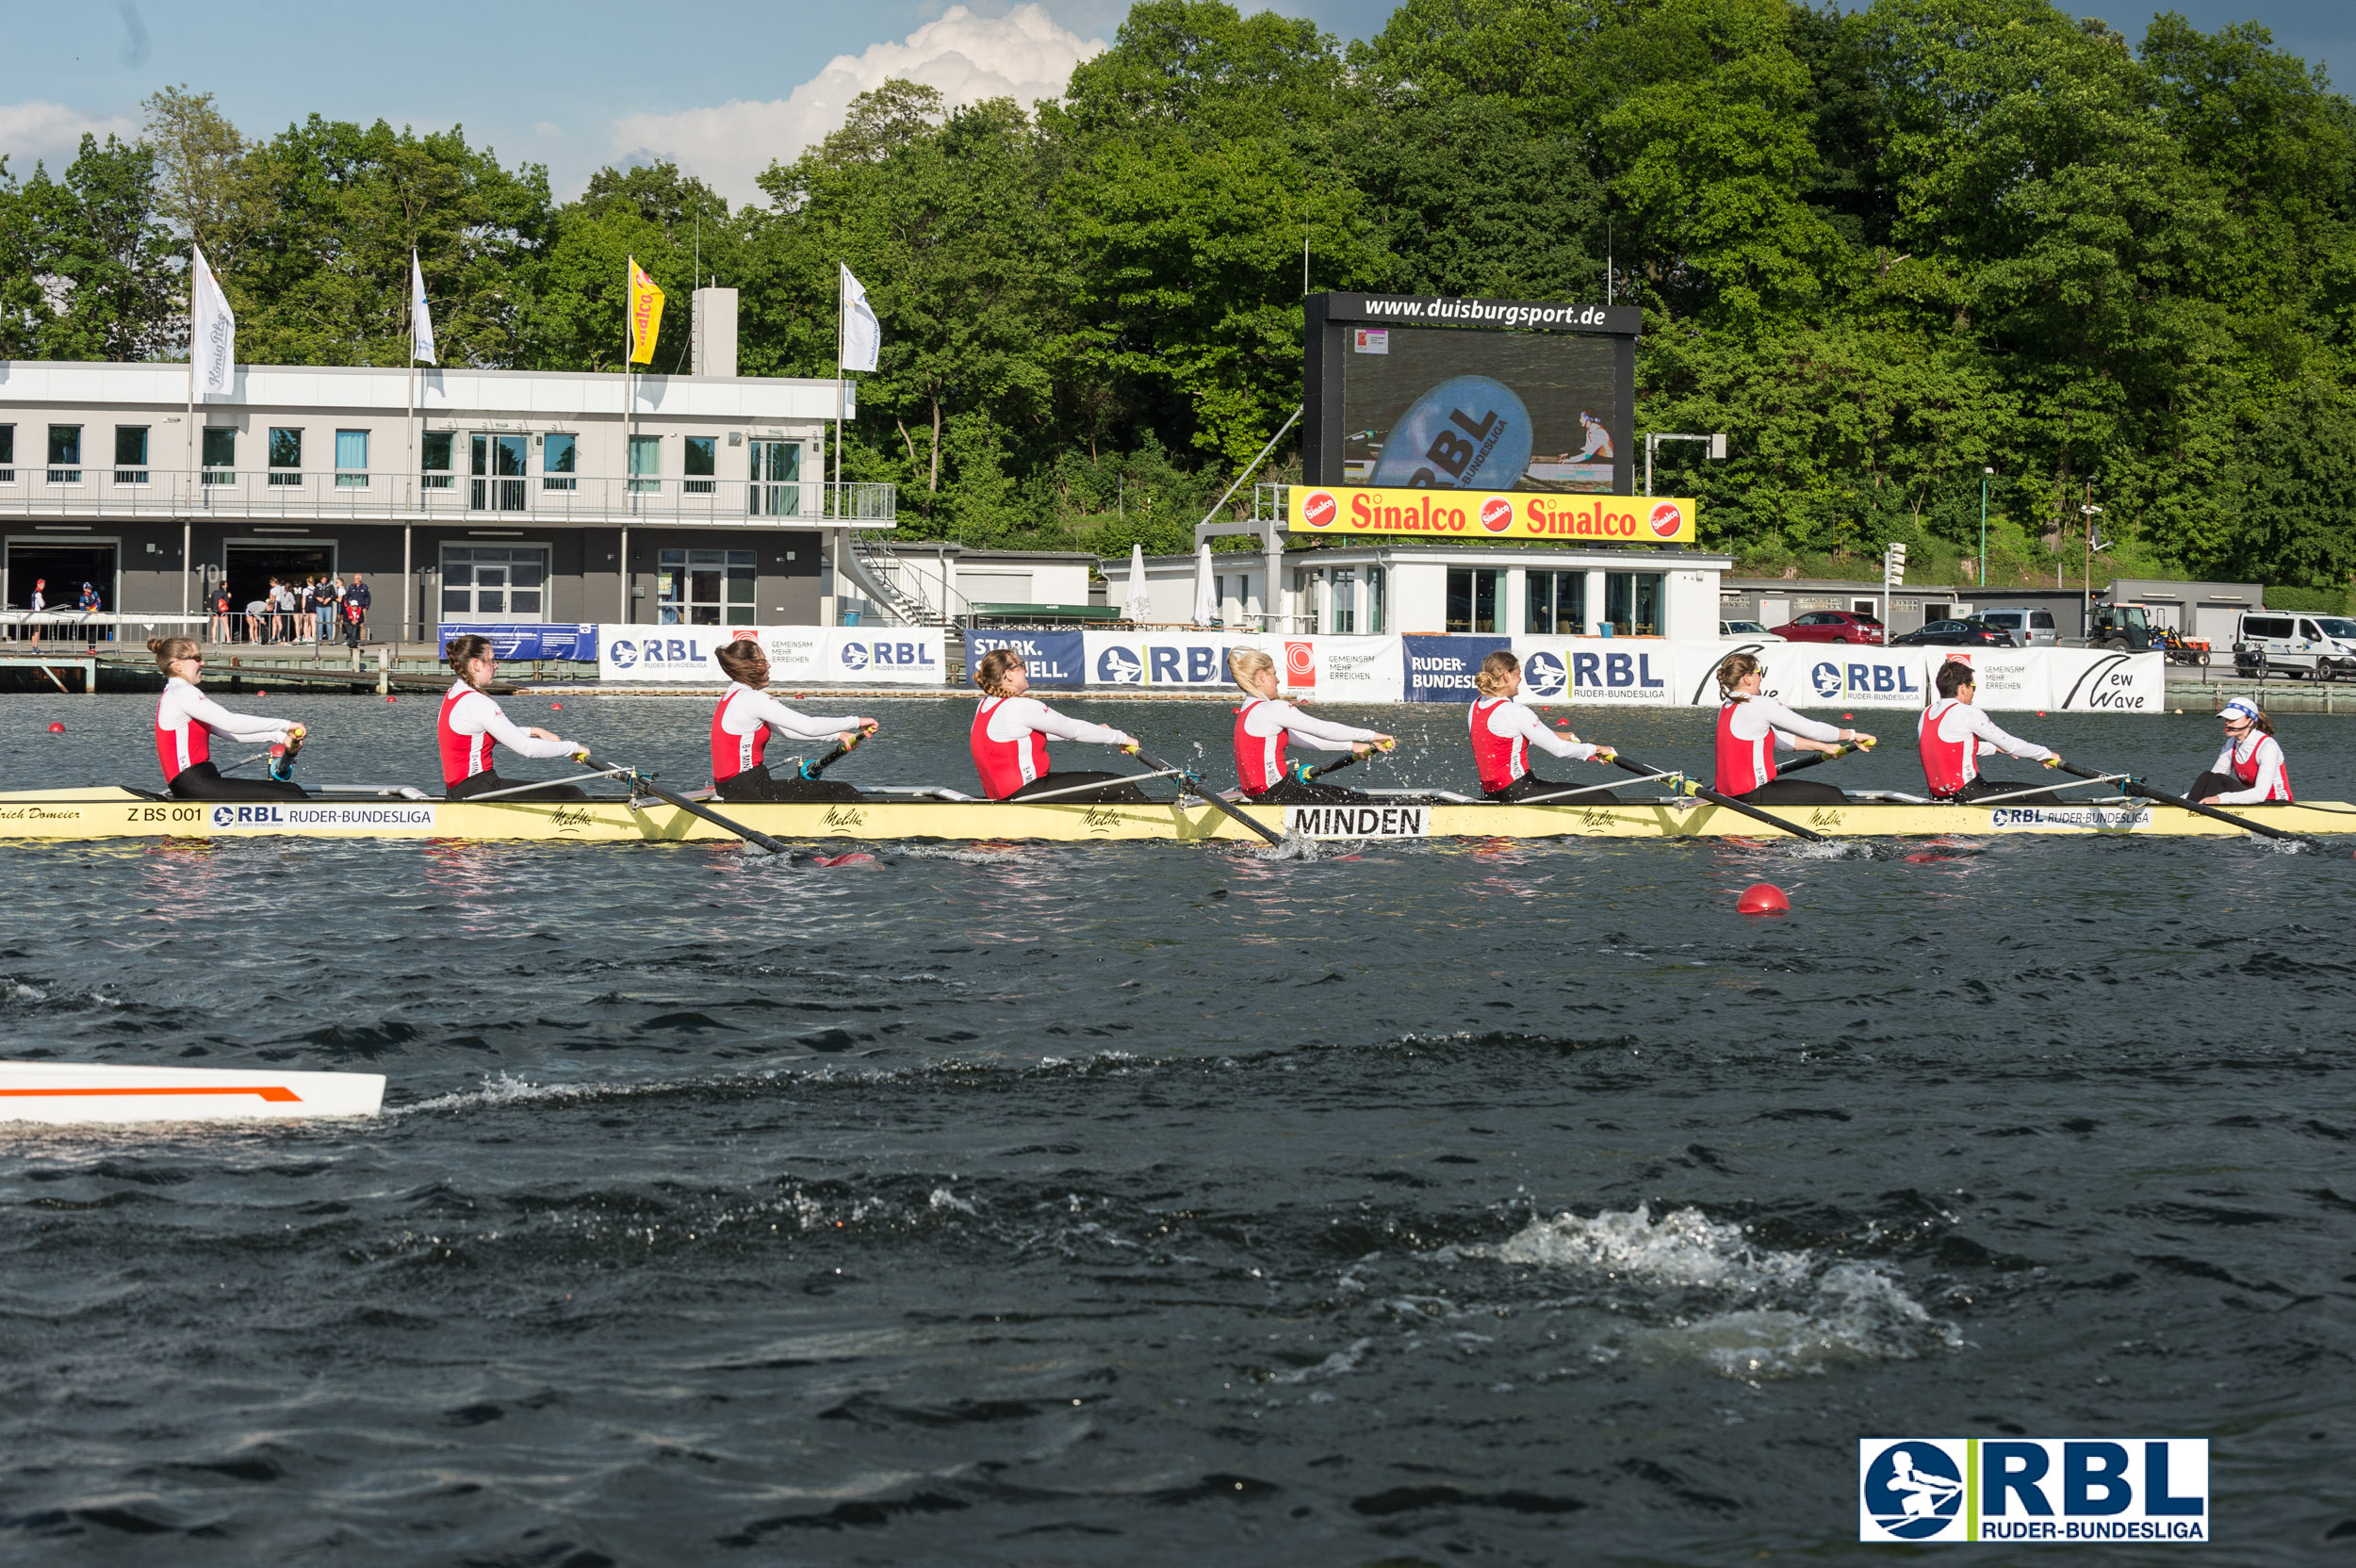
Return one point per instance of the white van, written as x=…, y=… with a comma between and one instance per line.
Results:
x=2030, y=628
x=2322, y=648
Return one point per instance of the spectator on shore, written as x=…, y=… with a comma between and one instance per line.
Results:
x=217, y=606
x=358, y=595
x=330, y=606
x=256, y=620
x=34, y=603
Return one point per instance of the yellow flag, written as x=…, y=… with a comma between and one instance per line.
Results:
x=646, y=315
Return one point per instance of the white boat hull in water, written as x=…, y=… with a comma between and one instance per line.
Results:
x=76, y=1093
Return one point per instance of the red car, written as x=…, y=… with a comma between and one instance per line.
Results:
x=1832, y=626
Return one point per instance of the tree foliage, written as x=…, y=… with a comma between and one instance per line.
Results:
x=1888, y=249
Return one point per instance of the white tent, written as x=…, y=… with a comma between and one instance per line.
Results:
x=1138, y=606
x=1206, y=605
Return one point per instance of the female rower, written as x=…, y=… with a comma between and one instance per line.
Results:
x=2250, y=771
x=747, y=716
x=186, y=720
x=1954, y=734
x=1503, y=731
x=471, y=722
x=1009, y=740
x=1263, y=726
x=1750, y=724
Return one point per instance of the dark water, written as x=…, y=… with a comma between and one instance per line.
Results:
x=1144, y=1204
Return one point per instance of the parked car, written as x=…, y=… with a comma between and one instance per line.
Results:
x=1971, y=632
x=1748, y=631
x=2031, y=628
x=2322, y=648
x=1832, y=626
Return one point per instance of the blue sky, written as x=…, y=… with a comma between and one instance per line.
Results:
x=722, y=84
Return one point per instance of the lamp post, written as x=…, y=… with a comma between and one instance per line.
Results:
x=2086, y=608
x=1985, y=474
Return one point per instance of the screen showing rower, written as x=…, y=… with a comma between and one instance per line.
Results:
x=1447, y=409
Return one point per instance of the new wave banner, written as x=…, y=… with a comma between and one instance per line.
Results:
x=1052, y=659
x=847, y=656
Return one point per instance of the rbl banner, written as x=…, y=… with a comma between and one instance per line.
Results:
x=1358, y=508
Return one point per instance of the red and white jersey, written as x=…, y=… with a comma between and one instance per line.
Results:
x=2255, y=758
x=1747, y=733
x=187, y=719
x=1263, y=728
x=1953, y=736
x=746, y=719
x=471, y=724
x=1503, y=734
x=1009, y=740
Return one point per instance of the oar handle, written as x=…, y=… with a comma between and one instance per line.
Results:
x=1153, y=762
x=1622, y=759
x=1309, y=775
x=2135, y=786
x=1816, y=758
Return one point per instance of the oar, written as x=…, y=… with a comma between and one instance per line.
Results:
x=842, y=750
x=1310, y=776
x=1624, y=760
x=1153, y=762
x=640, y=781
x=1812, y=758
x=2136, y=787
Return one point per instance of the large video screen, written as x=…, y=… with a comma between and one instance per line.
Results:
x=1444, y=408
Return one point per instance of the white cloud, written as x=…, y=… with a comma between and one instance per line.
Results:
x=1025, y=55
x=52, y=133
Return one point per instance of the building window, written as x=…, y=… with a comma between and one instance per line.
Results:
x=1345, y=616
x=701, y=462
x=65, y=454
x=130, y=454
x=1472, y=598
x=219, y=454
x=559, y=462
x=493, y=583
x=499, y=478
x=645, y=465
x=352, y=459
x=1556, y=604
x=433, y=459
x=775, y=490
x=285, y=456
x=1631, y=603
x=705, y=588
x=7, y=454
x=1378, y=592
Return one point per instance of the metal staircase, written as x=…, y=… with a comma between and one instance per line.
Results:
x=906, y=596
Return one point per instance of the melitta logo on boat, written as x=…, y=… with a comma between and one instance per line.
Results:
x=1497, y=513
x=323, y=816
x=1359, y=822
x=1320, y=509
x=2148, y=1489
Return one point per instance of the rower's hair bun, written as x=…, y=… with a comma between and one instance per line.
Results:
x=155, y=644
x=169, y=650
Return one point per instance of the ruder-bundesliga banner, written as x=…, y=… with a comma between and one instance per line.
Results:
x=682, y=655
x=528, y=639
x=1358, y=509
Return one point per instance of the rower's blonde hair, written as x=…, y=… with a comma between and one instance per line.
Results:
x=1731, y=669
x=990, y=672
x=170, y=650
x=1245, y=664
x=1490, y=678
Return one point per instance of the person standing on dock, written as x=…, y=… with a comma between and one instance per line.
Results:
x=2251, y=770
x=1265, y=725
x=1750, y=726
x=186, y=720
x=217, y=627
x=1955, y=733
x=471, y=724
x=357, y=597
x=1009, y=741
x=746, y=719
x=34, y=603
x=1503, y=731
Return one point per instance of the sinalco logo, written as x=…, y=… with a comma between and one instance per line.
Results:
x=1542, y=673
x=853, y=655
x=1827, y=679
x=624, y=654
x=1118, y=667
x=1913, y=1491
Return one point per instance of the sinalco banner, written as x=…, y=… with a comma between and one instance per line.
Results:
x=850, y=656
x=1363, y=509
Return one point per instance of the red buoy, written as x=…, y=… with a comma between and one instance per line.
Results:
x=261, y=694
x=556, y=708
x=1762, y=898
x=56, y=729
x=388, y=696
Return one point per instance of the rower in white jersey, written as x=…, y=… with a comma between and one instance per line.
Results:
x=1264, y=727
x=471, y=724
x=1751, y=724
x=1955, y=735
x=186, y=720
x=2250, y=771
x=1503, y=731
x=1009, y=741
x=748, y=716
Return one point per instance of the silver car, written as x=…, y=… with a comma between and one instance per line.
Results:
x=2031, y=628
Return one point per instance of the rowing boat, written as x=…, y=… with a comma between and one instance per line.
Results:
x=73, y=1093
x=109, y=812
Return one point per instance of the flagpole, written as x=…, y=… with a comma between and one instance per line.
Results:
x=191, y=478
x=842, y=405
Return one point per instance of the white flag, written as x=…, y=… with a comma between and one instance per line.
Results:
x=213, y=341
x=862, y=336
x=420, y=318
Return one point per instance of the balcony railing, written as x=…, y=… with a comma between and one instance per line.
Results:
x=550, y=498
